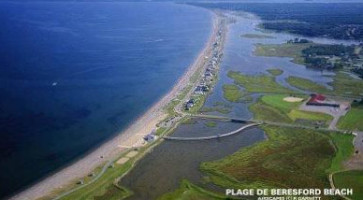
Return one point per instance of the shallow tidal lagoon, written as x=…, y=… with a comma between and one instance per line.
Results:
x=163, y=169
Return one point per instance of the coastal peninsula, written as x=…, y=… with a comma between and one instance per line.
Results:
x=256, y=109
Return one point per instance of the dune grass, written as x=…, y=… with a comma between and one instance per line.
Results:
x=103, y=188
x=107, y=186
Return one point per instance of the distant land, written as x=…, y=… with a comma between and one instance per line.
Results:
x=333, y=20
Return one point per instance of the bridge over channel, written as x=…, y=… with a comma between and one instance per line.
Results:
x=217, y=117
x=290, y=125
x=251, y=123
x=212, y=136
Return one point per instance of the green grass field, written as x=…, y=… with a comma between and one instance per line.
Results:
x=265, y=112
x=312, y=116
x=350, y=179
x=278, y=102
x=344, y=149
x=353, y=119
x=261, y=83
x=274, y=108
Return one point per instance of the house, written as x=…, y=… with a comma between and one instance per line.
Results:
x=189, y=104
x=320, y=100
x=317, y=98
x=206, y=74
x=205, y=88
x=149, y=137
x=199, y=90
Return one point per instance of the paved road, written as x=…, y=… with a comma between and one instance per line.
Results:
x=358, y=141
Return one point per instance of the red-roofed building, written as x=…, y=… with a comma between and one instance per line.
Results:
x=320, y=100
x=317, y=98
x=320, y=97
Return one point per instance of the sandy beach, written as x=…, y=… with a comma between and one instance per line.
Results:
x=129, y=138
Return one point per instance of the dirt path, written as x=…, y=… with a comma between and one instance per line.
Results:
x=331, y=181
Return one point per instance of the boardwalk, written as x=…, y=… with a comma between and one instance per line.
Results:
x=212, y=136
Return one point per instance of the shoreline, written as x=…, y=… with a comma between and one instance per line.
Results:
x=131, y=137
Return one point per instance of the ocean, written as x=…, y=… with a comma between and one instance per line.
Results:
x=74, y=74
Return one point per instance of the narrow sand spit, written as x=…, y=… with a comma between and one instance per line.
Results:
x=131, y=137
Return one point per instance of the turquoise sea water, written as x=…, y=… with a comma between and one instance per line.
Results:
x=72, y=75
